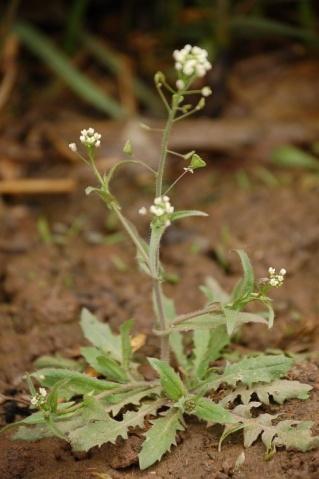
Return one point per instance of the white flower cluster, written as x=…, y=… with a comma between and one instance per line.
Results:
x=90, y=137
x=39, y=398
x=161, y=208
x=192, y=61
x=275, y=279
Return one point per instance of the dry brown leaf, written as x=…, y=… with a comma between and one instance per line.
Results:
x=138, y=341
x=89, y=371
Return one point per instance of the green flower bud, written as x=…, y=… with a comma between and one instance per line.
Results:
x=127, y=148
x=159, y=78
x=201, y=104
x=196, y=162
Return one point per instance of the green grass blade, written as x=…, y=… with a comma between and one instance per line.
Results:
x=253, y=25
x=114, y=63
x=42, y=47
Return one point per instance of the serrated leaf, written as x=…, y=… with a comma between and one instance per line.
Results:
x=263, y=368
x=100, y=334
x=207, y=348
x=118, y=401
x=37, y=426
x=214, y=292
x=76, y=383
x=288, y=433
x=170, y=380
x=126, y=347
x=296, y=435
x=99, y=432
x=57, y=362
x=160, y=437
x=178, y=215
x=234, y=319
x=246, y=284
x=280, y=390
x=212, y=412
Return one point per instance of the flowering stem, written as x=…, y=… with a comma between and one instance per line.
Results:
x=189, y=113
x=130, y=231
x=176, y=181
x=161, y=94
x=158, y=298
x=114, y=206
x=157, y=287
x=165, y=138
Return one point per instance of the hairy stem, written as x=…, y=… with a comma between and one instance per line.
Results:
x=158, y=297
x=157, y=288
x=130, y=231
x=164, y=145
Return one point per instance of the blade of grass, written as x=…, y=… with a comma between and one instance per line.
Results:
x=254, y=25
x=41, y=46
x=114, y=63
x=74, y=23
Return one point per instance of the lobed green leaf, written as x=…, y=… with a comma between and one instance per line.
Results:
x=209, y=411
x=98, y=432
x=160, y=437
x=100, y=335
x=280, y=391
x=170, y=380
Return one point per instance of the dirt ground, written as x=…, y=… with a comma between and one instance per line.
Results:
x=44, y=286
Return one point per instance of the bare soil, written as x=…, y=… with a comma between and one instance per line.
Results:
x=44, y=286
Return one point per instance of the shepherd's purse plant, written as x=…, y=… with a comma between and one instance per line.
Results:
x=90, y=410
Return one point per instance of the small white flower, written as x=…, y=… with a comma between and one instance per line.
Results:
x=188, y=169
x=191, y=61
x=43, y=392
x=73, y=147
x=90, y=138
x=162, y=209
x=275, y=279
x=34, y=401
x=180, y=84
x=142, y=211
x=206, y=91
x=157, y=210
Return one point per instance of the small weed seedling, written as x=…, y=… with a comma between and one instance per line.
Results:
x=89, y=411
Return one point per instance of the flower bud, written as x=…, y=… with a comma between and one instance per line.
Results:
x=127, y=148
